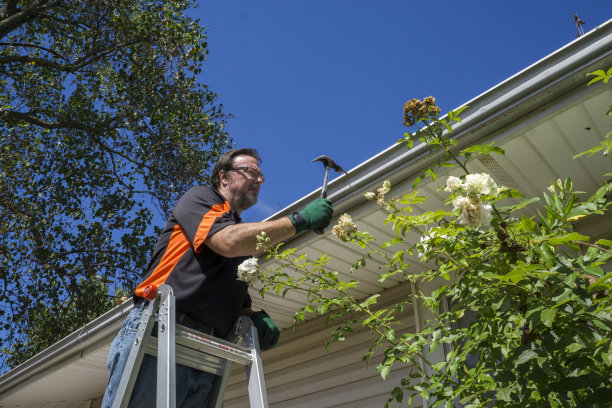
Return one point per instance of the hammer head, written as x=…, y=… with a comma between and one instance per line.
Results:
x=328, y=162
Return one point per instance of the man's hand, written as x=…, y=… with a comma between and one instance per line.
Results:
x=316, y=215
x=267, y=331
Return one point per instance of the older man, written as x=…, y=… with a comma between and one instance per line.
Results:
x=197, y=254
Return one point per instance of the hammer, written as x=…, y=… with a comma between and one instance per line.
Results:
x=329, y=164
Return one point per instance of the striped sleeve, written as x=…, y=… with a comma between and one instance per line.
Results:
x=201, y=212
x=213, y=216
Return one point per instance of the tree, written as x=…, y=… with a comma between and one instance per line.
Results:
x=101, y=117
x=521, y=306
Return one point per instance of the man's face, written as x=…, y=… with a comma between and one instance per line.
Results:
x=242, y=186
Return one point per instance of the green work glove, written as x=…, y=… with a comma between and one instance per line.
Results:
x=316, y=215
x=267, y=331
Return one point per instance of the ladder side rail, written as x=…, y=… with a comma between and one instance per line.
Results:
x=218, y=392
x=258, y=396
x=166, y=356
x=134, y=360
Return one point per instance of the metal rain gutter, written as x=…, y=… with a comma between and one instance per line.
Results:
x=76, y=343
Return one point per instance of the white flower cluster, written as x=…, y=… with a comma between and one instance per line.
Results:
x=379, y=196
x=453, y=183
x=248, y=271
x=473, y=212
x=474, y=184
x=345, y=228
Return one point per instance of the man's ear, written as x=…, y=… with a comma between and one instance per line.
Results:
x=224, y=177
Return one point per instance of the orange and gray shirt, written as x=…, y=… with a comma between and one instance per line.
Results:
x=204, y=282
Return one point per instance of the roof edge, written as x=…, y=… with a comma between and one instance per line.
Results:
x=73, y=344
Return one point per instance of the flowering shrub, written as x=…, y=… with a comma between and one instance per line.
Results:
x=540, y=331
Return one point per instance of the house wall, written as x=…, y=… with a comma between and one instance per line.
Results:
x=301, y=373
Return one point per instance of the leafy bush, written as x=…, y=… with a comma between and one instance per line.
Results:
x=532, y=291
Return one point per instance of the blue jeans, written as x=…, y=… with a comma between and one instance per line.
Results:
x=192, y=386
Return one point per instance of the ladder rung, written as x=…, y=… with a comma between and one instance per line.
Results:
x=192, y=358
x=212, y=345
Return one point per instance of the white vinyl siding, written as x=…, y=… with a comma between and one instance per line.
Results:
x=301, y=373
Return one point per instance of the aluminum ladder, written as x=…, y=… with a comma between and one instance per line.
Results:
x=182, y=345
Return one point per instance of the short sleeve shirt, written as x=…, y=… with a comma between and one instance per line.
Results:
x=204, y=283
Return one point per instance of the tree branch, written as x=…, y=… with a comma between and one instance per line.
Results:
x=24, y=45
x=70, y=67
x=14, y=21
x=9, y=7
x=29, y=117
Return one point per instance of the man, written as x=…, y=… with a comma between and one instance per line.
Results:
x=197, y=254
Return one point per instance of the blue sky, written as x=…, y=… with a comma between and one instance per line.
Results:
x=330, y=77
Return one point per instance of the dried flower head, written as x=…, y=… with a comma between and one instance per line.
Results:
x=382, y=191
x=414, y=110
x=345, y=227
x=248, y=271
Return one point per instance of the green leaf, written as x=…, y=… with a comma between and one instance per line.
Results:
x=515, y=275
x=601, y=283
x=572, y=348
x=548, y=317
x=529, y=224
x=520, y=205
x=547, y=255
x=393, y=242
x=384, y=371
x=504, y=394
x=370, y=300
x=525, y=357
x=604, y=242
x=600, y=74
x=563, y=298
x=568, y=238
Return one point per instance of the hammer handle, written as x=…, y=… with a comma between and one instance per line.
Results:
x=320, y=230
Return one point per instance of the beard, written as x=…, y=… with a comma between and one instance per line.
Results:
x=245, y=194
x=245, y=199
